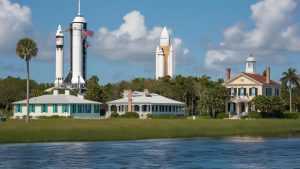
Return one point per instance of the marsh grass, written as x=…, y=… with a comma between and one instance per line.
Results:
x=50, y=130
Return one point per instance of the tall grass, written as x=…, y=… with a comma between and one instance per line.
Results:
x=46, y=130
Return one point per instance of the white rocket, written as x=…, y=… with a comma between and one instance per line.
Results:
x=78, y=51
x=164, y=56
x=59, y=73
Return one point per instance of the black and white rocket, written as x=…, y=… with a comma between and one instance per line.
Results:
x=77, y=74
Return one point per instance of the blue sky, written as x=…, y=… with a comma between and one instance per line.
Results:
x=209, y=36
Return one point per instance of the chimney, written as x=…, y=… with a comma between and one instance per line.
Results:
x=67, y=92
x=55, y=92
x=146, y=92
x=268, y=75
x=227, y=73
x=129, y=95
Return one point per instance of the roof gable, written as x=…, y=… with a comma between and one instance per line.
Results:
x=242, y=79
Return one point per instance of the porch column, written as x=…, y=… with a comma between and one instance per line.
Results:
x=109, y=108
x=141, y=108
x=238, y=108
x=150, y=109
x=246, y=107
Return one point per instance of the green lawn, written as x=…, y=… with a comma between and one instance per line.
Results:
x=17, y=131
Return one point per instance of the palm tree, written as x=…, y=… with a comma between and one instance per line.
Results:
x=290, y=78
x=25, y=49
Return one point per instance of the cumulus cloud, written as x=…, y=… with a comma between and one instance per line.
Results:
x=15, y=21
x=274, y=36
x=133, y=42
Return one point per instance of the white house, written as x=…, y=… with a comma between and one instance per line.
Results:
x=58, y=104
x=144, y=103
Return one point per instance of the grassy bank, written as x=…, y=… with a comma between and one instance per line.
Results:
x=17, y=131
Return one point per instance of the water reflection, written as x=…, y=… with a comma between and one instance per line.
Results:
x=230, y=152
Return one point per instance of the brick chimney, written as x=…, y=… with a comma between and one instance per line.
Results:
x=227, y=73
x=146, y=92
x=129, y=95
x=268, y=75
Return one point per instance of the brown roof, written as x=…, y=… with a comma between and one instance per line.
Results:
x=260, y=78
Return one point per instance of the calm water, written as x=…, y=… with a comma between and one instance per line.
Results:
x=192, y=153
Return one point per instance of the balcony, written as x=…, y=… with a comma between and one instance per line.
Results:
x=237, y=98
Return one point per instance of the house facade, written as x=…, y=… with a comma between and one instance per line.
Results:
x=243, y=87
x=64, y=105
x=144, y=103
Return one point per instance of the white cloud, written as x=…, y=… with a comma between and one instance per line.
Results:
x=15, y=21
x=132, y=42
x=274, y=36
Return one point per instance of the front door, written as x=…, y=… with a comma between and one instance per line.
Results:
x=243, y=107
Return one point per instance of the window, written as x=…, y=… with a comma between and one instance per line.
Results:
x=65, y=108
x=277, y=93
x=232, y=91
x=242, y=91
x=268, y=91
x=73, y=108
x=96, y=108
x=79, y=108
x=253, y=91
x=89, y=108
x=44, y=108
x=31, y=108
x=18, y=108
x=54, y=108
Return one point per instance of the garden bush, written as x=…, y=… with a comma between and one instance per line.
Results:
x=51, y=117
x=291, y=115
x=114, y=115
x=149, y=116
x=130, y=115
x=255, y=115
x=222, y=115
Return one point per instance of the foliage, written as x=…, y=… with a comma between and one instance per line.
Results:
x=114, y=115
x=134, y=115
x=222, y=115
x=290, y=115
x=51, y=117
x=269, y=104
x=255, y=115
x=290, y=79
x=149, y=116
x=213, y=99
x=94, y=91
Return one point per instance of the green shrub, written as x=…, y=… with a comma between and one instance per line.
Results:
x=134, y=115
x=114, y=115
x=51, y=117
x=245, y=117
x=222, y=115
x=149, y=116
x=290, y=115
x=255, y=115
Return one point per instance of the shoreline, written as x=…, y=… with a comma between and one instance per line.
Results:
x=73, y=130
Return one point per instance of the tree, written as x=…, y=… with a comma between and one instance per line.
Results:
x=213, y=99
x=25, y=49
x=269, y=104
x=290, y=79
x=94, y=90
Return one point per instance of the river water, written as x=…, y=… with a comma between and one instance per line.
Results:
x=234, y=152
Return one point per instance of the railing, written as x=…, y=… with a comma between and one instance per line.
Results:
x=239, y=98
